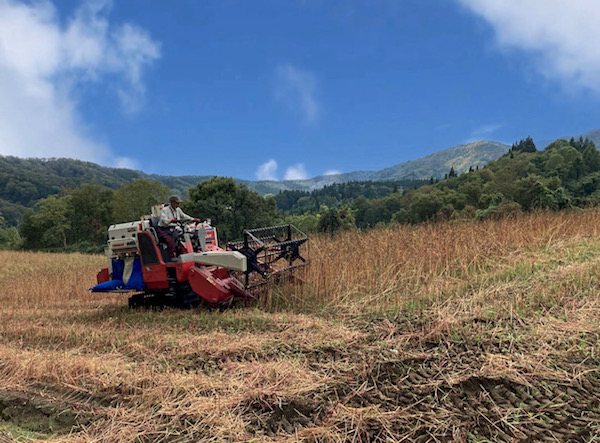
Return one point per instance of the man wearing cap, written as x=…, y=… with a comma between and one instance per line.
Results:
x=170, y=214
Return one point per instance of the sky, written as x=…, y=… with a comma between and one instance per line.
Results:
x=273, y=90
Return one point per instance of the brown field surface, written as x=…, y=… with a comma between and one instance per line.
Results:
x=470, y=331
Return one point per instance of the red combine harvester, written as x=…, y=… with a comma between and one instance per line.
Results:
x=138, y=261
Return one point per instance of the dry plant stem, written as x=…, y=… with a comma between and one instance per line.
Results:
x=470, y=331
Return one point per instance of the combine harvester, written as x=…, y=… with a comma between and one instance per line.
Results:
x=138, y=261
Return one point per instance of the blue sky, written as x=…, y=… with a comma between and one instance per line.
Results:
x=290, y=89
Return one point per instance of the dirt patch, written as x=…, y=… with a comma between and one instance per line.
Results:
x=271, y=416
x=30, y=412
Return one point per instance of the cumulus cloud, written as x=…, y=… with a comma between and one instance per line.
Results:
x=483, y=132
x=332, y=172
x=560, y=34
x=45, y=63
x=296, y=88
x=267, y=170
x=296, y=172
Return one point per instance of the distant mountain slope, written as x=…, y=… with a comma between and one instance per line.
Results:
x=24, y=181
x=592, y=135
x=436, y=165
x=460, y=157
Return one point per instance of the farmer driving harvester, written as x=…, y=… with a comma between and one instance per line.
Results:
x=167, y=230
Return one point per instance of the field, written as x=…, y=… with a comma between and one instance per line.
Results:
x=469, y=331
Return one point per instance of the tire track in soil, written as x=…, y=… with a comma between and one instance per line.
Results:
x=422, y=400
x=494, y=408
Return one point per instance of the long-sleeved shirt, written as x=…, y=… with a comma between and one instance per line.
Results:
x=168, y=213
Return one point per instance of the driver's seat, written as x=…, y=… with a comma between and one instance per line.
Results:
x=154, y=228
x=153, y=231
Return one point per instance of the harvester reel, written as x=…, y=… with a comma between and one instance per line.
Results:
x=265, y=247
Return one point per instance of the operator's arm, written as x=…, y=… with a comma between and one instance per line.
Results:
x=182, y=215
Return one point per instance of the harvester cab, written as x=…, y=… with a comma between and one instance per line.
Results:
x=138, y=261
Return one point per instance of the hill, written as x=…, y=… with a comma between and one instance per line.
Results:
x=24, y=181
x=436, y=165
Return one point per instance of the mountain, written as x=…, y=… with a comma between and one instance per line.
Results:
x=592, y=135
x=25, y=181
x=436, y=165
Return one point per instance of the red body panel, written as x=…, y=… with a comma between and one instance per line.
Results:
x=211, y=283
x=188, y=248
x=155, y=276
x=183, y=270
x=103, y=276
x=208, y=287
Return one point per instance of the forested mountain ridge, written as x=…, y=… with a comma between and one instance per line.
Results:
x=566, y=174
x=460, y=158
x=24, y=181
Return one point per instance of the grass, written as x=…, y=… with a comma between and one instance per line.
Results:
x=403, y=333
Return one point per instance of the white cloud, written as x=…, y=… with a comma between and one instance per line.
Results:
x=44, y=64
x=561, y=34
x=483, y=132
x=332, y=172
x=296, y=172
x=297, y=89
x=267, y=170
x=124, y=162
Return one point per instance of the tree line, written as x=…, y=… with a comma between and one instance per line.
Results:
x=78, y=219
x=565, y=174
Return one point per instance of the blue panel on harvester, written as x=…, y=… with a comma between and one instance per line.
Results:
x=117, y=269
x=136, y=280
x=107, y=286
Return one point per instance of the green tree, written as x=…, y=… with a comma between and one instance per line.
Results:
x=526, y=145
x=9, y=236
x=230, y=206
x=135, y=199
x=90, y=213
x=48, y=225
x=333, y=220
x=591, y=158
x=425, y=206
x=307, y=223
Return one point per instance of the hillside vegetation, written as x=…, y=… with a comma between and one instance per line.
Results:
x=564, y=175
x=25, y=181
x=467, y=331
